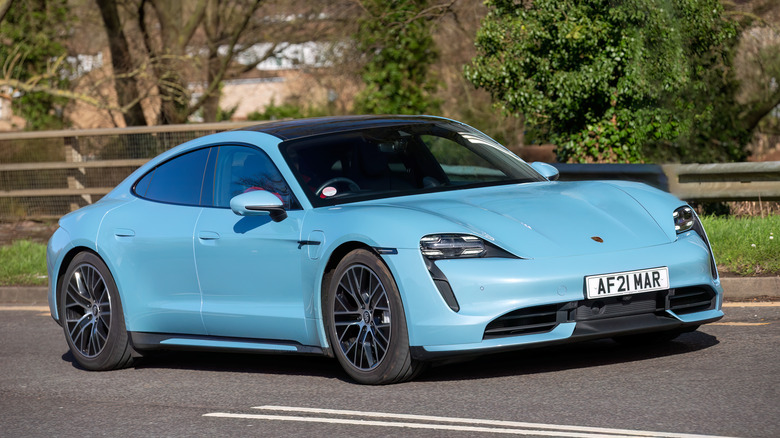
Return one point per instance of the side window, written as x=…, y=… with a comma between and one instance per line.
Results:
x=178, y=181
x=242, y=169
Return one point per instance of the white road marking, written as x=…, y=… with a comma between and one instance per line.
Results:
x=437, y=423
x=347, y=421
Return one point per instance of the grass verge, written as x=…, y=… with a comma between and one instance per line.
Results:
x=23, y=263
x=745, y=246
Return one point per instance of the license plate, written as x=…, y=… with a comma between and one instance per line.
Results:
x=626, y=283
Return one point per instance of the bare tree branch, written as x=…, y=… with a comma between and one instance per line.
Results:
x=5, y=5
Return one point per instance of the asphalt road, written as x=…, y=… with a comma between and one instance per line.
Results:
x=722, y=380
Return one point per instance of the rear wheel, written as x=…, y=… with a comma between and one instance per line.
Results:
x=91, y=315
x=365, y=321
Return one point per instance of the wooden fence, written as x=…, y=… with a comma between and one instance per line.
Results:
x=725, y=182
x=47, y=174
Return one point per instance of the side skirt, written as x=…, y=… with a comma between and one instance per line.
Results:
x=172, y=341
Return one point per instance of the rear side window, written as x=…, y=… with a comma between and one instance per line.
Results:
x=178, y=181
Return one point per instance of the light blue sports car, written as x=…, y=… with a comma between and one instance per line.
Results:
x=387, y=242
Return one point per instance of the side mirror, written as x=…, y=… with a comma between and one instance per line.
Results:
x=258, y=203
x=547, y=171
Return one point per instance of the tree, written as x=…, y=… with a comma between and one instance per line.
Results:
x=125, y=82
x=166, y=35
x=5, y=5
x=34, y=61
x=606, y=78
x=224, y=25
x=395, y=39
x=757, y=63
x=186, y=50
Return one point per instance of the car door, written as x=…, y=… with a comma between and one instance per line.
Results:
x=150, y=239
x=250, y=267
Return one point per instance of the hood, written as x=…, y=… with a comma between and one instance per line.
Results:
x=549, y=219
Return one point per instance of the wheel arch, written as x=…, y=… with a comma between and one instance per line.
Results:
x=63, y=268
x=334, y=259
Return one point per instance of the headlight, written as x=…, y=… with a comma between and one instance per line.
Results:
x=683, y=219
x=459, y=246
x=452, y=246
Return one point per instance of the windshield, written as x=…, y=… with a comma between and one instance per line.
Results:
x=401, y=160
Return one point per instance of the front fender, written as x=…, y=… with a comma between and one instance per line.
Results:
x=395, y=229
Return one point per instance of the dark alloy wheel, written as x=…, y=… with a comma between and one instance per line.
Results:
x=91, y=315
x=365, y=321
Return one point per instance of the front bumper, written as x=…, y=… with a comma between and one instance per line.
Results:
x=489, y=289
x=585, y=320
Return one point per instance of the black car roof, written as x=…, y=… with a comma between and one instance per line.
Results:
x=298, y=128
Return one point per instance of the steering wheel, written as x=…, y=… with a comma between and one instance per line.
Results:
x=352, y=184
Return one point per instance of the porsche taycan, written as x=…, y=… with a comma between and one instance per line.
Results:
x=386, y=242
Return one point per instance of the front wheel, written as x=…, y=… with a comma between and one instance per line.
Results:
x=91, y=315
x=365, y=321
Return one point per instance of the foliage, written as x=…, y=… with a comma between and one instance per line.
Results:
x=395, y=38
x=745, y=245
x=605, y=77
x=225, y=115
x=286, y=111
x=30, y=41
x=23, y=263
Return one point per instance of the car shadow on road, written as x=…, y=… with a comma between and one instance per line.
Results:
x=280, y=364
x=522, y=362
x=567, y=357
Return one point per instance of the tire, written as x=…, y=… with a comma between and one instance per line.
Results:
x=90, y=313
x=365, y=321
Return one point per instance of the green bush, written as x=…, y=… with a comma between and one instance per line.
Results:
x=286, y=111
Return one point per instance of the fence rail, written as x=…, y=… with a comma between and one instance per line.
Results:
x=47, y=174
x=81, y=165
x=725, y=182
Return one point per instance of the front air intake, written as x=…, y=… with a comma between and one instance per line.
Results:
x=691, y=300
x=531, y=320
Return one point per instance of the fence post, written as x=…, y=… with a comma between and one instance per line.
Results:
x=77, y=176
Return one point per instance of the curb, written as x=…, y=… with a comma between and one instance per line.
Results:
x=24, y=295
x=749, y=288
x=735, y=289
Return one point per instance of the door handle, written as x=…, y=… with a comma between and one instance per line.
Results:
x=208, y=235
x=124, y=232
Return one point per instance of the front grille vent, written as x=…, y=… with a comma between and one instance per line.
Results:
x=531, y=320
x=691, y=299
x=624, y=305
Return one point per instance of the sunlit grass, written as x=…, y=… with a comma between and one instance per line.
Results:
x=745, y=245
x=23, y=263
